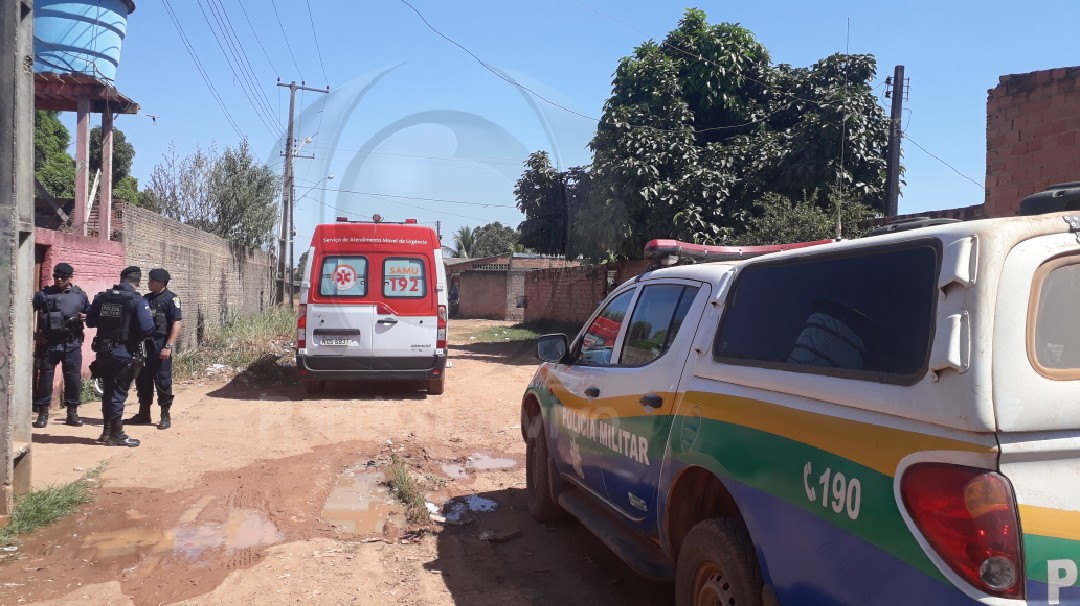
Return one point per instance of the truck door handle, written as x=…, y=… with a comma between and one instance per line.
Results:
x=652, y=400
x=387, y=321
x=592, y=392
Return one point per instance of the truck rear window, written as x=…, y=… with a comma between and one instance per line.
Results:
x=404, y=278
x=343, y=277
x=1054, y=343
x=861, y=315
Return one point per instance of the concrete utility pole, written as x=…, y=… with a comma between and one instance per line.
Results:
x=17, y=244
x=285, y=242
x=892, y=167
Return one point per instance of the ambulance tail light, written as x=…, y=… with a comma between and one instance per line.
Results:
x=969, y=518
x=301, y=327
x=440, y=337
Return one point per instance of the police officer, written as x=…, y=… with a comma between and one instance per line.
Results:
x=123, y=320
x=61, y=311
x=156, y=375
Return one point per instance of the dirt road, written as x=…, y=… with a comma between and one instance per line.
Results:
x=262, y=494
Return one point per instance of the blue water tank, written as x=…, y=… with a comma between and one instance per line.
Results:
x=80, y=36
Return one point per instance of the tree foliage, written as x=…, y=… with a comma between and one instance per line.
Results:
x=465, y=241
x=702, y=135
x=54, y=167
x=229, y=195
x=122, y=157
x=493, y=239
x=779, y=219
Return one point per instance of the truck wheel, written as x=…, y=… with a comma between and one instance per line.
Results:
x=542, y=506
x=314, y=386
x=435, y=387
x=717, y=565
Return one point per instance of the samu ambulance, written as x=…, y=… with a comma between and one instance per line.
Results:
x=888, y=420
x=373, y=305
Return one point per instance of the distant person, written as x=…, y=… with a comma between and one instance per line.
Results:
x=61, y=310
x=123, y=320
x=156, y=374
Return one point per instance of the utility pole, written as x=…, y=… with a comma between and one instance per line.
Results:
x=285, y=242
x=892, y=167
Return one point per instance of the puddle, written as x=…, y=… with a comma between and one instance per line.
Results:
x=478, y=461
x=359, y=503
x=140, y=550
x=458, y=509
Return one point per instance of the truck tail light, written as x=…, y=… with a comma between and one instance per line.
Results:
x=440, y=337
x=301, y=327
x=969, y=517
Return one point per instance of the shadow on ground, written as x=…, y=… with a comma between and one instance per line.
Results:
x=535, y=563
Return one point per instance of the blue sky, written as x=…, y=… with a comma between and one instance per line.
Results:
x=416, y=127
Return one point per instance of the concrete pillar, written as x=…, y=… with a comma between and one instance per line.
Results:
x=105, y=201
x=82, y=165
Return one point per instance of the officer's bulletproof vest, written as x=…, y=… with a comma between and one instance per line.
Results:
x=61, y=307
x=160, y=320
x=115, y=315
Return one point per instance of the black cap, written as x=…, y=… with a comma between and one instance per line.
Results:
x=159, y=275
x=63, y=269
x=132, y=271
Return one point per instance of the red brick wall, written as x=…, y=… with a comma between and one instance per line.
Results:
x=1032, y=136
x=482, y=294
x=571, y=294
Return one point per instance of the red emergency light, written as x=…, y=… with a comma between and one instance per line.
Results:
x=672, y=252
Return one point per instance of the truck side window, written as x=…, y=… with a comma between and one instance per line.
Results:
x=599, y=339
x=343, y=277
x=656, y=319
x=865, y=314
x=1055, y=344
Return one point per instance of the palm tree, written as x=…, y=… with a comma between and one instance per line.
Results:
x=465, y=239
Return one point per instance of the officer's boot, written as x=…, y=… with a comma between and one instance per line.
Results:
x=166, y=420
x=73, y=417
x=142, y=417
x=117, y=437
x=42, y=417
x=105, y=433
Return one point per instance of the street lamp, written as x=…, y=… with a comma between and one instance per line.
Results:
x=292, y=233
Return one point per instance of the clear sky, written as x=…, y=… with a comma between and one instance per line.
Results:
x=416, y=127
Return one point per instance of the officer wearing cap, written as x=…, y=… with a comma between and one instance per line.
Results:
x=123, y=320
x=61, y=311
x=156, y=375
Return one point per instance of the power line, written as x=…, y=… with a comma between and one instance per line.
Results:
x=286, y=36
x=950, y=166
x=243, y=9
x=243, y=53
x=370, y=193
x=318, y=51
x=199, y=67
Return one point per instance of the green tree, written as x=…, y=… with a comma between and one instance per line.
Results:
x=229, y=195
x=301, y=263
x=465, y=240
x=493, y=239
x=779, y=220
x=122, y=157
x=54, y=167
x=699, y=129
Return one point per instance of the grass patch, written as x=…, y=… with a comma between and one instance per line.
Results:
x=40, y=508
x=242, y=343
x=88, y=394
x=522, y=331
x=407, y=488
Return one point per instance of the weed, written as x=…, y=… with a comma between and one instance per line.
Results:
x=522, y=331
x=241, y=343
x=404, y=485
x=39, y=508
x=88, y=394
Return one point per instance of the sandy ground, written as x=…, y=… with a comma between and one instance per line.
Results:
x=230, y=506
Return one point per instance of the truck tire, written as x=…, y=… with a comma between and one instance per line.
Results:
x=717, y=565
x=542, y=505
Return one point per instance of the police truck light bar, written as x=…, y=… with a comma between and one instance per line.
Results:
x=672, y=252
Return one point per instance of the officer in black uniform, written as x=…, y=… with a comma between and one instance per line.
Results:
x=61, y=311
x=156, y=374
x=123, y=320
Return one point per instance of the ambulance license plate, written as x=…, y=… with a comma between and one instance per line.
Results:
x=336, y=341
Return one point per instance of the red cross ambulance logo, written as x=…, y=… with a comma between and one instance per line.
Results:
x=344, y=277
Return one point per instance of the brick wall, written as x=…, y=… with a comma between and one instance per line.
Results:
x=1032, y=136
x=482, y=294
x=214, y=281
x=571, y=294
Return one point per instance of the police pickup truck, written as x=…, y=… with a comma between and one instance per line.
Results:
x=888, y=420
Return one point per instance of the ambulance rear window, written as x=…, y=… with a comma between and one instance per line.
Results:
x=1054, y=342
x=404, y=278
x=343, y=277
